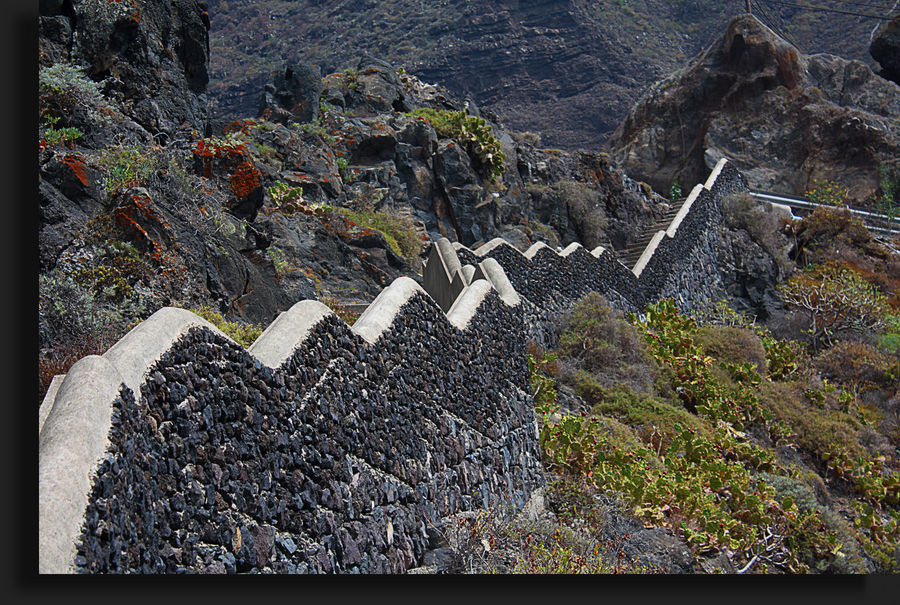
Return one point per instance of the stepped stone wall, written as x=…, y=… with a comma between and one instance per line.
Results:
x=680, y=263
x=326, y=448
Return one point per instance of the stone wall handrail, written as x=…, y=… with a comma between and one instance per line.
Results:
x=529, y=271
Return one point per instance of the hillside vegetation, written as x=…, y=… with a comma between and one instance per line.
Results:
x=760, y=457
x=755, y=449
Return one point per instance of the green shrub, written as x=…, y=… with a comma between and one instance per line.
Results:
x=890, y=182
x=815, y=428
x=887, y=203
x=490, y=542
x=675, y=193
x=568, y=442
x=116, y=268
x=316, y=130
x=785, y=359
x=859, y=364
x=70, y=309
x=350, y=78
x=397, y=229
x=58, y=136
x=702, y=474
x=126, y=167
x=62, y=136
x=836, y=299
x=599, y=340
x=265, y=154
x=826, y=226
x=722, y=391
x=645, y=413
x=64, y=87
x=741, y=211
x=286, y=198
x=720, y=313
x=889, y=340
x=850, y=559
x=245, y=334
x=472, y=133
x=276, y=255
x=88, y=311
x=733, y=345
x=540, y=232
x=828, y=193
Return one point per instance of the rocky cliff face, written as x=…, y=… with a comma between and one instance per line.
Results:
x=786, y=119
x=546, y=65
x=152, y=56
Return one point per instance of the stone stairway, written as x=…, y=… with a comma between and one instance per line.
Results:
x=629, y=256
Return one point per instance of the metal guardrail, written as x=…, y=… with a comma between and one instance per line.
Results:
x=877, y=223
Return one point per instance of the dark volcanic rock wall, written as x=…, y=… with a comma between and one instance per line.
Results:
x=885, y=49
x=338, y=461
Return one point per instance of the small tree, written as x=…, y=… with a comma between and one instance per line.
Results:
x=675, y=191
x=836, y=299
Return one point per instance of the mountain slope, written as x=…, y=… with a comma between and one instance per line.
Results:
x=570, y=69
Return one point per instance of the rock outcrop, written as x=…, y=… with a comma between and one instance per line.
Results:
x=885, y=49
x=786, y=119
x=294, y=95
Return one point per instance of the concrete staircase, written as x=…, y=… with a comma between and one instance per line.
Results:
x=630, y=255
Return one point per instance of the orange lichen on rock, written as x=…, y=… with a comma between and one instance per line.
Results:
x=244, y=179
x=124, y=216
x=78, y=167
x=243, y=126
x=137, y=218
x=137, y=212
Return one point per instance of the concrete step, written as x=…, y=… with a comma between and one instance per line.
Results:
x=629, y=256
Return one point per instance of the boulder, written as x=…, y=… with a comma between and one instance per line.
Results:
x=293, y=96
x=376, y=88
